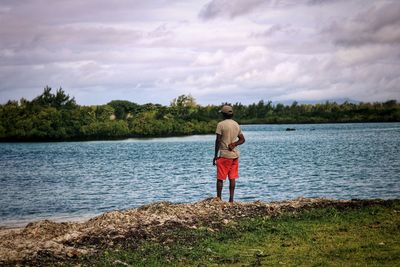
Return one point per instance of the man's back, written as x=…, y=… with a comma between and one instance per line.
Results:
x=229, y=131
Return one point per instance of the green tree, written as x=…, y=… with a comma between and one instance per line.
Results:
x=58, y=100
x=104, y=112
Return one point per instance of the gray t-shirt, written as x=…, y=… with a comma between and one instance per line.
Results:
x=229, y=130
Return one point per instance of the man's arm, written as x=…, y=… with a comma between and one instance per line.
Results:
x=217, y=144
x=241, y=140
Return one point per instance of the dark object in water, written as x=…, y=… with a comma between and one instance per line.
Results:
x=290, y=129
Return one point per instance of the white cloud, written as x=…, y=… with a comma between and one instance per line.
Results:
x=152, y=51
x=357, y=56
x=207, y=59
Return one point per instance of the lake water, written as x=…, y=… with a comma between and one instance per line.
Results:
x=67, y=180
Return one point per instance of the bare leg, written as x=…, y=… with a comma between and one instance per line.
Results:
x=232, y=183
x=220, y=183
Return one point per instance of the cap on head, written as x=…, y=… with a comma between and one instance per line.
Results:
x=226, y=109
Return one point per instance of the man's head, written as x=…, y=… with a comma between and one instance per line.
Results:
x=227, y=112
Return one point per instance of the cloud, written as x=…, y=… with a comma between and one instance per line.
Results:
x=235, y=8
x=152, y=51
x=378, y=24
x=231, y=8
x=274, y=29
x=358, y=56
x=207, y=59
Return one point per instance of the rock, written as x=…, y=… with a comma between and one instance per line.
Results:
x=118, y=262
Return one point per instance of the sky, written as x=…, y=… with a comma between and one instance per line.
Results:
x=216, y=50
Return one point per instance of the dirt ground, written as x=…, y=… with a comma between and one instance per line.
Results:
x=43, y=240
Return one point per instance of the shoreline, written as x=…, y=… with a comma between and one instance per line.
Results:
x=147, y=137
x=46, y=240
x=10, y=224
x=22, y=223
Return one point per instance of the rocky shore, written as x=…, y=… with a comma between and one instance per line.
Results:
x=43, y=241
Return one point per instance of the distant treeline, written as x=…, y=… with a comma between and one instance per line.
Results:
x=56, y=116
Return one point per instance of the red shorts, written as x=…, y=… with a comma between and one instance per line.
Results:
x=227, y=167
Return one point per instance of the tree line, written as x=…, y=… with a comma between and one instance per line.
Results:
x=57, y=116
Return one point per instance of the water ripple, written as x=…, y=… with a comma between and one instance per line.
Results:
x=40, y=180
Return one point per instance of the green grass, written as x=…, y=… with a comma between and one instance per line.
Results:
x=367, y=236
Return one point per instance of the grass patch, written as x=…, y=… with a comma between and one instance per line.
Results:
x=367, y=236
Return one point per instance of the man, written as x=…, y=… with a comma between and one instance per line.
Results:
x=229, y=136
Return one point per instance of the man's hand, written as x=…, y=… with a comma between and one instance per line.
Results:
x=214, y=160
x=231, y=146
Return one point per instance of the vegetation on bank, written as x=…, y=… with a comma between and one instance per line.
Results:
x=57, y=116
x=362, y=236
